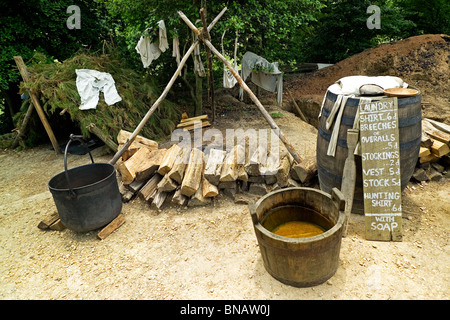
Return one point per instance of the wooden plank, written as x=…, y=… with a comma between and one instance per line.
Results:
x=48, y=221
x=111, y=227
x=197, y=125
x=439, y=125
x=193, y=175
x=202, y=117
x=435, y=133
x=381, y=170
x=34, y=99
x=57, y=226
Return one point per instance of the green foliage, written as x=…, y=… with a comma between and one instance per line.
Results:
x=341, y=29
x=40, y=25
x=56, y=82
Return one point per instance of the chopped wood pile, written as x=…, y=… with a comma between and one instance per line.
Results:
x=434, y=154
x=186, y=176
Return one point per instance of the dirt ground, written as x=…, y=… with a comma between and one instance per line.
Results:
x=200, y=253
x=211, y=252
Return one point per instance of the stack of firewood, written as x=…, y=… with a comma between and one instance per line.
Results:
x=434, y=154
x=188, y=176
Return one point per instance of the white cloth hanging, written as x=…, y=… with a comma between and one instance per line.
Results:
x=89, y=85
x=264, y=74
x=229, y=81
x=176, y=50
x=151, y=51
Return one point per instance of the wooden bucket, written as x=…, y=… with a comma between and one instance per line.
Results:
x=301, y=262
x=330, y=168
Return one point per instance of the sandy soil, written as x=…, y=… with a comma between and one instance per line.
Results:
x=200, y=253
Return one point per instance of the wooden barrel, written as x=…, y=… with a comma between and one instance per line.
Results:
x=301, y=262
x=330, y=168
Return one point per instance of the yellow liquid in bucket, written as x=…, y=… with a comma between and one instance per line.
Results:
x=298, y=229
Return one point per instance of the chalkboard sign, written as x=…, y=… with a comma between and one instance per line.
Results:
x=380, y=154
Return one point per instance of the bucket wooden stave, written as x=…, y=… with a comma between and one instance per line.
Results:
x=301, y=262
x=330, y=168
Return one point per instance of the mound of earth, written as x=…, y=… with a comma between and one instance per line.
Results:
x=421, y=61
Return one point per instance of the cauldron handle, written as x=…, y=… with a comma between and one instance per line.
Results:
x=72, y=138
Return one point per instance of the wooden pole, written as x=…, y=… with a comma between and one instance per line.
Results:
x=211, y=73
x=163, y=95
x=244, y=86
x=23, y=126
x=26, y=78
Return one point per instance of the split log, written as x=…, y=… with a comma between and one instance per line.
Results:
x=253, y=166
x=425, y=141
x=158, y=201
x=169, y=159
x=305, y=170
x=128, y=168
x=149, y=166
x=148, y=190
x=234, y=158
x=283, y=171
x=209, y=190
x=135, y=186
x=439, y=148
x=179, y=198
x=423, y=152
x=139, y=141
x=198, y=199
x=429, y=158
x=179, y=165
x=167, y=184
x=269, y=169
x=193, y=174
x=213, y=166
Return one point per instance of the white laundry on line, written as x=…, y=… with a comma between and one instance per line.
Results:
x=151, y=51
x=89, y=85
x=267, y=76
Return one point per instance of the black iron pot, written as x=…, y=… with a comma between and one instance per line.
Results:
x=86, y=197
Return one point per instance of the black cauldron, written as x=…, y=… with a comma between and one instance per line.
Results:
x=86, y=197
